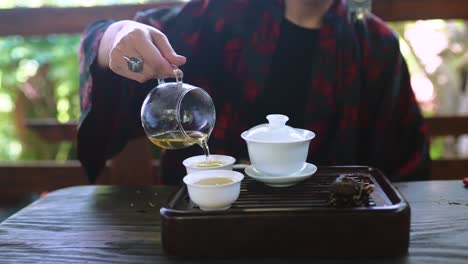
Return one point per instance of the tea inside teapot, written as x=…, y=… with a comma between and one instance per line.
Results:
x=177, y=115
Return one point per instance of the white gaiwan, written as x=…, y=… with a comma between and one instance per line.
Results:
x=276, y=149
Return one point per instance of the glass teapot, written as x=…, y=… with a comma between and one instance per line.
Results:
x=177, y=115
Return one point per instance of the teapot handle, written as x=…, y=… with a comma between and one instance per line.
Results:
x=178, y=74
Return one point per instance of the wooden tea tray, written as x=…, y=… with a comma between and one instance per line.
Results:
x=293, y=221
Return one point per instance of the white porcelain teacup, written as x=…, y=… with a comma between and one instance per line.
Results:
x=276, y=149
x=214, y=190
x=198, y=163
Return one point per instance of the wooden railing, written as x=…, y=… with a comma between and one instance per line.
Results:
x=43, y=21
x=38, y=21
x=444, y=169
x=128, y=168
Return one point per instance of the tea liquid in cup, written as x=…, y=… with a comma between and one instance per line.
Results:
x=211, y=189
x=213, y=162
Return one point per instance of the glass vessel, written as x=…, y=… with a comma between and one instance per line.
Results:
x=177, y=115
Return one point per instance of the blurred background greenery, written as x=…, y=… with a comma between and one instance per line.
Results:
x=39, y=78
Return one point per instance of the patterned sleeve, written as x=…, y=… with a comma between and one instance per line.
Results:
x=412, y=161
x=110, y=104
x=400, y=136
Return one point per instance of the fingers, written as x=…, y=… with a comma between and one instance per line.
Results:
x=154, y=59
x=149, y=44
x=166, y=49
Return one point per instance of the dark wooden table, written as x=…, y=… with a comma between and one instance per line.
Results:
x=108, y=224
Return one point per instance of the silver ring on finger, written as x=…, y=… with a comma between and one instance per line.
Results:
x=134, y=64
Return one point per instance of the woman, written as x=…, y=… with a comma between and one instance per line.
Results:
x=341, y=77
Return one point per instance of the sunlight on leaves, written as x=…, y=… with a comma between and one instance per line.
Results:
x=63, y=117
x=26, y=69
x=64, y=89
x=63, y=105
x=14, y=149
x=19, y=52
x=437, y=148
x=6, y=104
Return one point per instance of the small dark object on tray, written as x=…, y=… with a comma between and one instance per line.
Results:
x=346, y=191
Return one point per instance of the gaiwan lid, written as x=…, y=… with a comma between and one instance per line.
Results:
x=276, y=131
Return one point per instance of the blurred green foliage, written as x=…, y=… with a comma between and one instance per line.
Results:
x=38, y=79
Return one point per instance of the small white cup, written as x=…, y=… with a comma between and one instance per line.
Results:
x=190, y=163
x=214, y=197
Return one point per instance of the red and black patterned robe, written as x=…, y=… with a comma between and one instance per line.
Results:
x=359, y=103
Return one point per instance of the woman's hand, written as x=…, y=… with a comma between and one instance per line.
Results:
x=126, y=39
